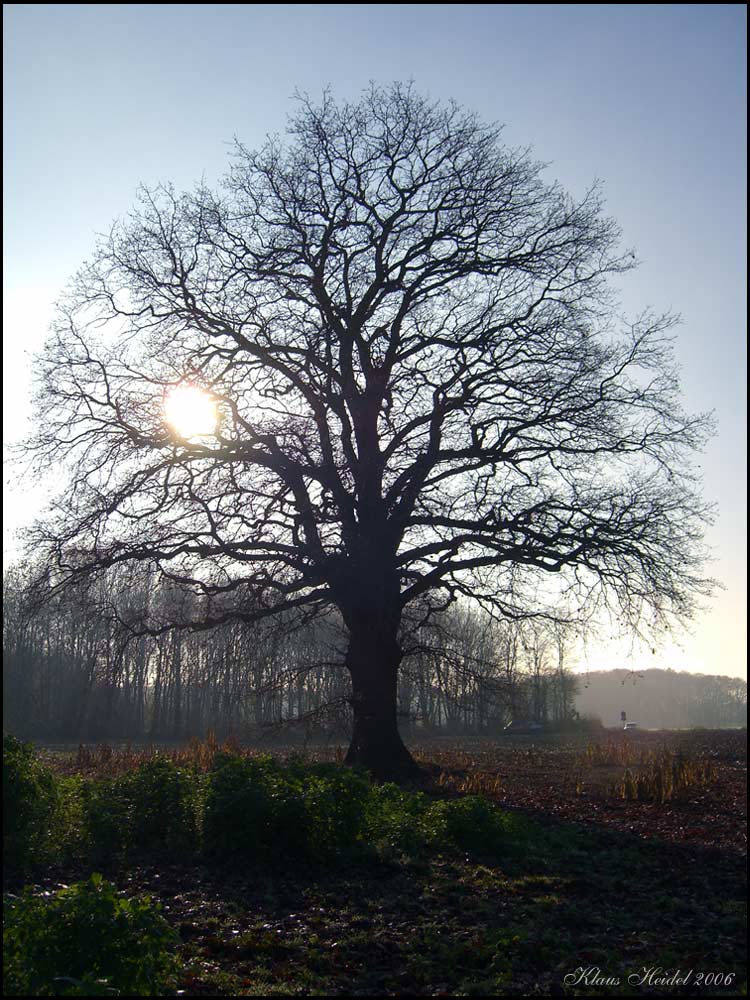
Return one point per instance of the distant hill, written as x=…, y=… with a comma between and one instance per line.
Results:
x=663, y=699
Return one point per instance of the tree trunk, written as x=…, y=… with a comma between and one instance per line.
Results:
x=373, y=660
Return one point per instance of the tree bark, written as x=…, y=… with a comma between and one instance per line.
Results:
x=373, y=660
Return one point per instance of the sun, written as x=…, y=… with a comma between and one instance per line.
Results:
x=190, y=411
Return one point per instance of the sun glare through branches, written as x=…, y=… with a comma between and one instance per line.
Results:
x=190, y=411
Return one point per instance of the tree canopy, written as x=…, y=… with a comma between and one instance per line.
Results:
x=422, y=390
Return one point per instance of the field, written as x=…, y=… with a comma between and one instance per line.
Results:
x=621, y=872
x=572, y=779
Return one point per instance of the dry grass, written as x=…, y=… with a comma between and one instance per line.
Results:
x=614, y=767
x=681, y=785
x=107, y=761
x=487, y=783
x=664, y=777
x=642, y=774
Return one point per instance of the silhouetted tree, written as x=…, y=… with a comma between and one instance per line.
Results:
x=409, y=338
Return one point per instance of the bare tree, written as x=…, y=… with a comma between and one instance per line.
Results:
x=421, y=392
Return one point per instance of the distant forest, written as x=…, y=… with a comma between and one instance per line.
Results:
x=73, y=670
x=663, y=699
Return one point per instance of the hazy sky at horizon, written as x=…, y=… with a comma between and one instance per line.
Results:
x=649, y=98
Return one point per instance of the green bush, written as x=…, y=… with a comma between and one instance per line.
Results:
x=150, y=812
x=408, y=823
x=69, y=820
x=335, y=806
x=284, y=830
x=86, y=941
x=397, y=822
x=30, y=798
x=107, y=821
x=253, y=808
x=474, y=824
x=257, y=807
x=163, y=808
x=239, y=806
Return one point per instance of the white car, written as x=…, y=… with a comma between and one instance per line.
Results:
x=630, y=725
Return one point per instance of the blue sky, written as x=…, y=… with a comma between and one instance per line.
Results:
x=649, y=98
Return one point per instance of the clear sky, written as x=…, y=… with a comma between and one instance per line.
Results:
x=649, y=98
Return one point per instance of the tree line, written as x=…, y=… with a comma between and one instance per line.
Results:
x=664, y=699
x=76, y=668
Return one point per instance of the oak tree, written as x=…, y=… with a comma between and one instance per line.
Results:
x=421, y=391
